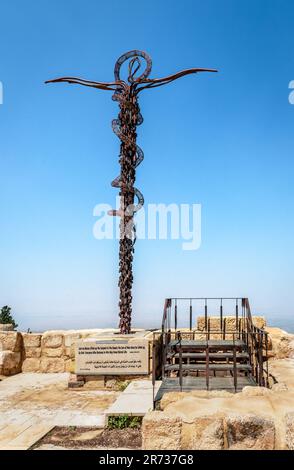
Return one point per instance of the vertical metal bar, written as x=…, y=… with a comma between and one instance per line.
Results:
x=181, y=363
x=221, y=315
x=242, y=319
x=208, y=330
x=266, y=358
x=261, y=377
x=190, y=314
x=153, y=371
x=205, y=314
x=250, y=361
x=224, y=332
x=237, y=315
x=207, y=365
x=256, y=356
x=235, y=363
x=176, y=315
x=164, y=349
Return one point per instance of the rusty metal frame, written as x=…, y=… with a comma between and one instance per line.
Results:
x=255, y=339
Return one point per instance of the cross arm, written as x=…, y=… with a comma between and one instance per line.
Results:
x=155, y=82
x=92, y=84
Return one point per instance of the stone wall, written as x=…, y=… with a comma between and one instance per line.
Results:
x=54, y=351
x=215, y=323
x=281, y=343
x=209, y=432
x=6, y=327
x=11, y=352
x=50, y=352
x=254, y=419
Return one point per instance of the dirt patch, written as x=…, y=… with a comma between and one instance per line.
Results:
x=76, y=438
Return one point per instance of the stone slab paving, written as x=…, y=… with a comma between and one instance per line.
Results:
x=19, y=439
x=136, y=399
x=32, y=404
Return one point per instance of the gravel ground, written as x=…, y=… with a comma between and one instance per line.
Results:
x=90, y=438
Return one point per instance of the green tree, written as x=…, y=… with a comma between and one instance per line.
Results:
x=6, y=317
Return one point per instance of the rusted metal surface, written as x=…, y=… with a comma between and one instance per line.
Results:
x=126, y=93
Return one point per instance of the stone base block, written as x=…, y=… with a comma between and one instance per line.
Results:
x=289, y=419
x=205, y=433
x=31, y=364
x=6, y=327
x=11, y=341
x=215, y=323
x=250, y=432
x=10, y=363
x=75, y=382
x=161, y=432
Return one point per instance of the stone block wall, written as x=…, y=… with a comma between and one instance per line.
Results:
x=6, y=327
x=289, y=434
x=50, y=352
x=54, y=351
x=212, y=432
x=281, y=343
x=11, y=352
x=258, y=321
x=46, y=353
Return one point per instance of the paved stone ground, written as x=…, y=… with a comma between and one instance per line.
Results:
x=137, y=399
x=32, y=404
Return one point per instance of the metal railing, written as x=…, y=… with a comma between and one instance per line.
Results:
x=170, y=321
x=257, y=343
x=241, y=328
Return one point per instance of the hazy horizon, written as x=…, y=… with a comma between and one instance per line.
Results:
x=37, y=324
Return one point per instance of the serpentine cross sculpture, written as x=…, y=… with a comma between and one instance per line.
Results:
x=126, y=93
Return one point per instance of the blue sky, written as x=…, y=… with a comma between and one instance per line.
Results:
x=222, y=140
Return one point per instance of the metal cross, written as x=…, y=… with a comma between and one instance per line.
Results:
x=131, y=155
